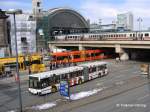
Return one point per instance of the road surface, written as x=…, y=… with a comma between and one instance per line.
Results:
x=119, y=72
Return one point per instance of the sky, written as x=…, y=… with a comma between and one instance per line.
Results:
x=94, y=10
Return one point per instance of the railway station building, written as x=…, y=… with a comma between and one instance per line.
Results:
x=57, y=21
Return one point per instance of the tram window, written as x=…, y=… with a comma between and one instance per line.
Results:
x=62, y=57
x=33, y=83
x=93, y=54
x=76, y=56
x=79, y=73
x=72, y=75
x=102, y=67
x=146, y=34
x=46, y=82
x=64, y=76
x=90, y=70
x=36, y=62
x=94, y=69
x=88, y=55
x=97, y=54
x=99, y=67
x=56, y=79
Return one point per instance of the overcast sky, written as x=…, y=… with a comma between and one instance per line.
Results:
x=94, y=10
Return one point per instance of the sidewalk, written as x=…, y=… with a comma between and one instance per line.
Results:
x=8, y=80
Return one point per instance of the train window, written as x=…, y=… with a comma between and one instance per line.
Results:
x=141, y=35
x=111, y=35
x=146, y=34
x=138, y=35
x=124, y=35
x=116, y=35
x=133, y=35
x=130, y=35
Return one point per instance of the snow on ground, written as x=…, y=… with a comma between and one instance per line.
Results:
x=75, y=96
x=44, y=106
x=84, y=94
x=12, y=111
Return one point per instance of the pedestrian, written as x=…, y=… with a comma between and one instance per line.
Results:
x=50, y=66
x=117, y=59
x=29, y=70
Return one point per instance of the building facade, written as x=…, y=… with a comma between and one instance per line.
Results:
x=125, y=21
x=4, y=35
x=36, y=8
x=58, y=21
x=26, y=34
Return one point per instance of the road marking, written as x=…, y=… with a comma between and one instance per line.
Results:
x=118, y=76
x=99, y=84
x=141, y=98
x=119, y=83
x=136, y=72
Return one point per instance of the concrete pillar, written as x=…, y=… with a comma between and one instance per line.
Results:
x=81, y=47
x=53, y=48
x=122, y=53
x=124, y=56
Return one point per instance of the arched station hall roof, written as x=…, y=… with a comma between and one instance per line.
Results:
x=65, y=17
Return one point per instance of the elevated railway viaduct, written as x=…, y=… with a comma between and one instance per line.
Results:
x=125, y=49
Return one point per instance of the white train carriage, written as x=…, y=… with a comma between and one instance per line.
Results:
x=135, y=35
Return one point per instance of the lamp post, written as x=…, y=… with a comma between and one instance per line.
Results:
x=14, y=12
x=139, y=20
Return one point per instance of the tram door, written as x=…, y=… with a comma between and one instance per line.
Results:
x=86, y=74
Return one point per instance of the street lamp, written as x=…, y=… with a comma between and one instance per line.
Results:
x=139, y=20
x=14, y=12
